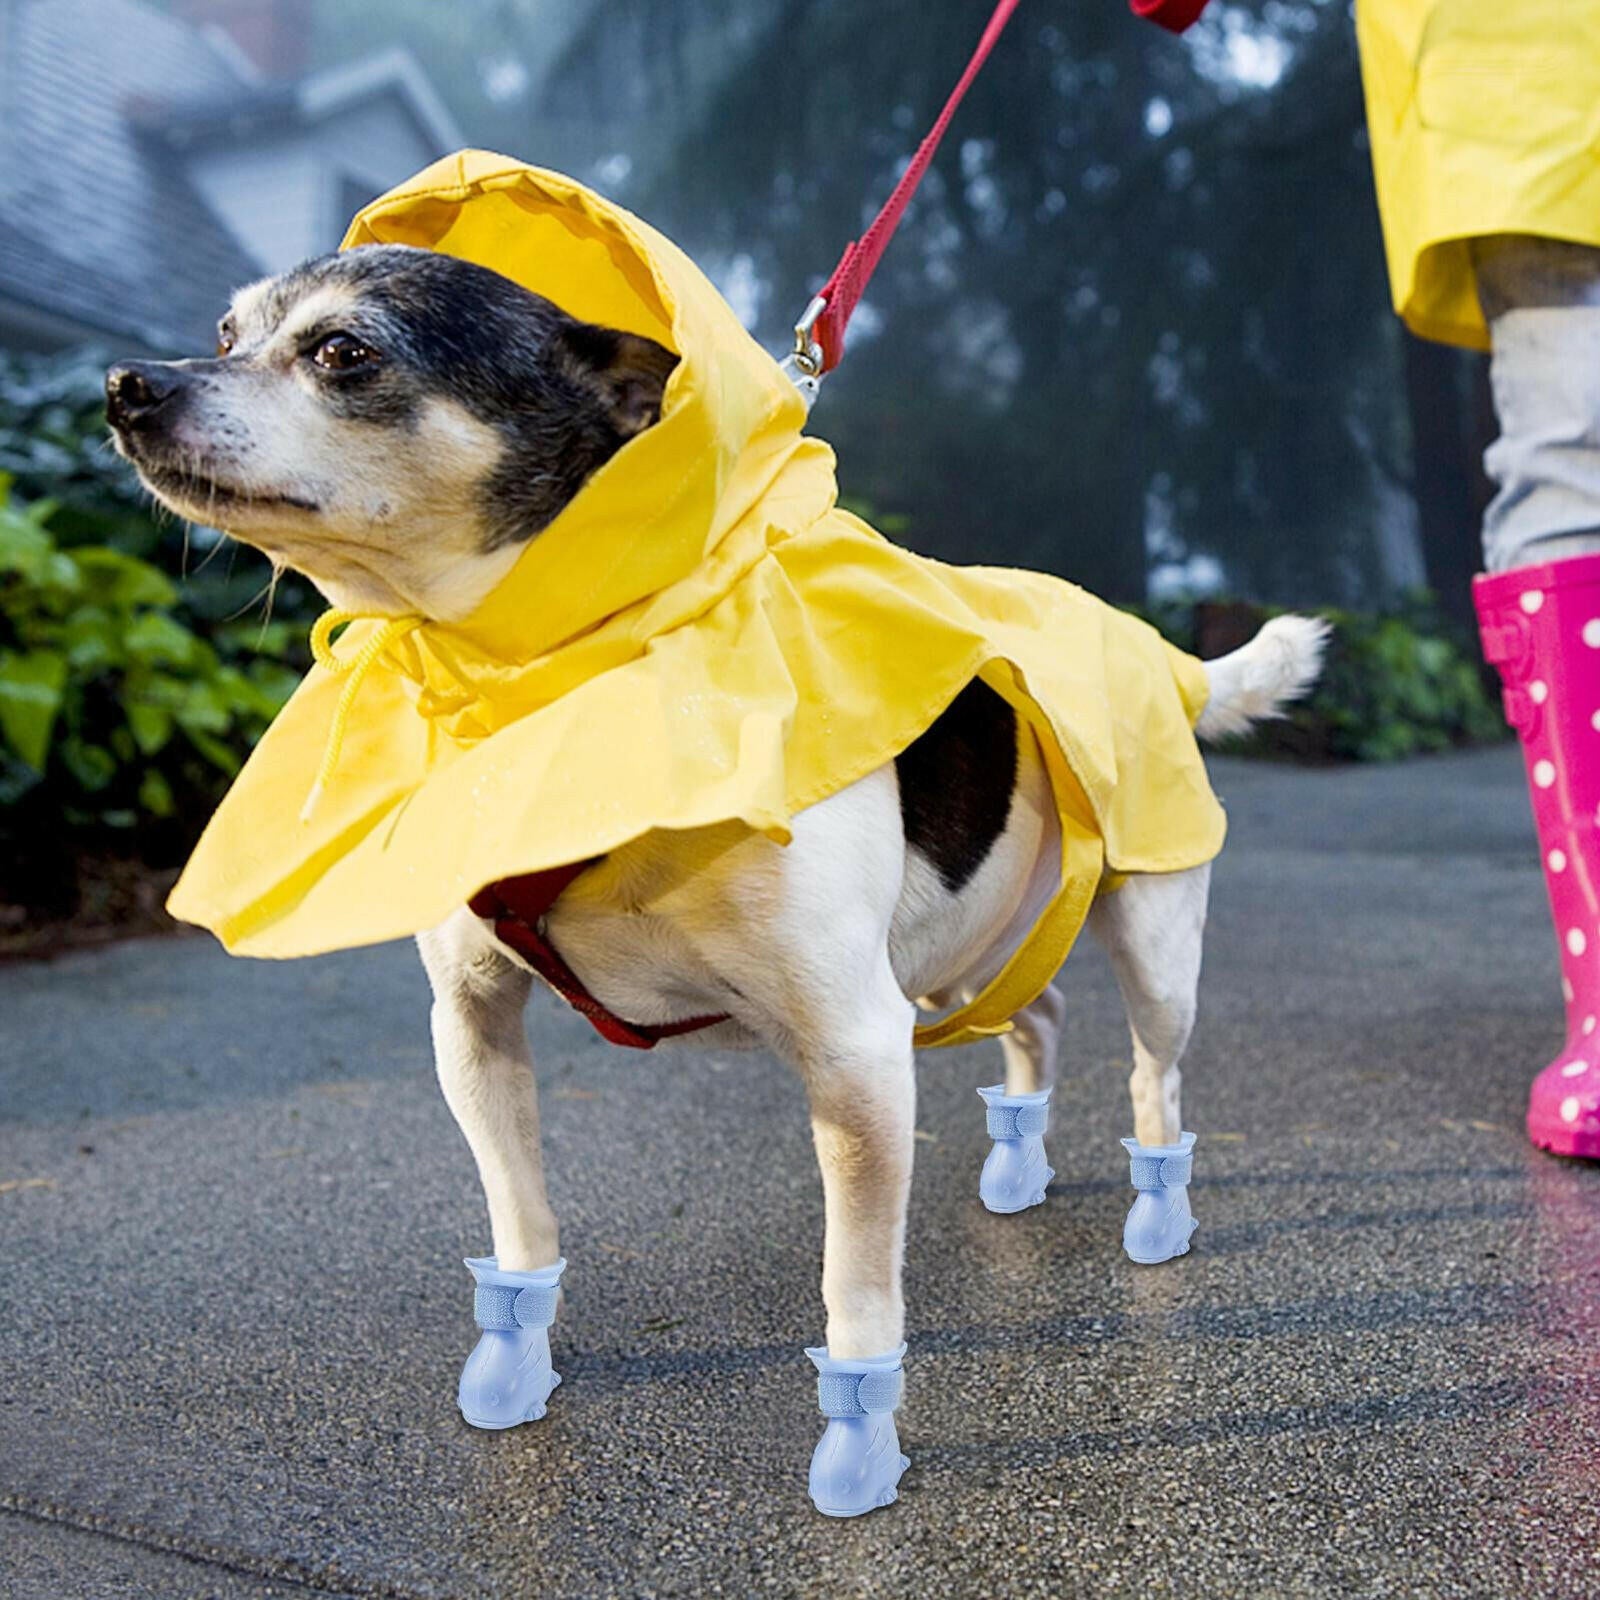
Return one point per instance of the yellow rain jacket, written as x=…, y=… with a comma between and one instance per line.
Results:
x=700, y=636
x=1484, y=117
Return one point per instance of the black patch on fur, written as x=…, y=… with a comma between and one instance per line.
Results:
x=564, y=395
x=956, y=783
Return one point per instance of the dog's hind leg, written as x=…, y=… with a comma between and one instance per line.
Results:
x=1153, y=930
x=1032, y=1047
x=486, y=1071
x=1016, y=1171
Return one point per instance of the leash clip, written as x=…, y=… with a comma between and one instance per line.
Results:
x=807, y=352
x=803, y=365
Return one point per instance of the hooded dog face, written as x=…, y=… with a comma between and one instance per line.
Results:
x=395, y=423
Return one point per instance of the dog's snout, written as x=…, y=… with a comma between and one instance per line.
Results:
x=136, y=390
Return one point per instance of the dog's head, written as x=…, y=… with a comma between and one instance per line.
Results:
x=392, y=422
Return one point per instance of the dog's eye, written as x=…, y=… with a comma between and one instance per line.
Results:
x=341, y=351
x=226, y=339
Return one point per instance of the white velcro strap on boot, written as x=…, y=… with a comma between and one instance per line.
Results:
x=1017, y=1122
x=860, y=1394
x=502, y=1307
x=1160, y=1172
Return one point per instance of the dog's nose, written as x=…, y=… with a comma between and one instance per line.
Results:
x=136, y=390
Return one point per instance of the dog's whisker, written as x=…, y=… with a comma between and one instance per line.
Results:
x=272, y=595
x=212, y=553
x=263, y=593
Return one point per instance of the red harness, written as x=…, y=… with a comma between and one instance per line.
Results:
x=517, y=907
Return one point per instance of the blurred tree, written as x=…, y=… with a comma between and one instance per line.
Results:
x=1134, y=329
x=1137, y=315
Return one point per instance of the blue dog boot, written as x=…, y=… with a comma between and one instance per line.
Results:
x=508, y=1377
x=857, y=1462
x=1159, y=1225
x=1016, y=1172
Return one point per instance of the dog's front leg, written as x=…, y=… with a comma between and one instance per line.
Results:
x=486, y=1071
x=862, y=1090
x=863, y=1108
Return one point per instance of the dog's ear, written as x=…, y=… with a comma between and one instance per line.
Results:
x=627, y=371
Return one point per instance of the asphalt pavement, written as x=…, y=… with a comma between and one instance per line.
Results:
x=233, y=1209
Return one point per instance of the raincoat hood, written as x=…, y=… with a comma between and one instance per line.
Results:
x=700, y=636
x=730, y=424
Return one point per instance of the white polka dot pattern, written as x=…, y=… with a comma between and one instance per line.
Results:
x=1574, y=1069
x=1570, y=1107
x=1591, y=633
x=1538, y=691
x=1544, y=773
x=1556, y=861
x=1576, y=942
x=1531, y=600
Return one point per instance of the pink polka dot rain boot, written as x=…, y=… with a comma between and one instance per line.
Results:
x=1541, y=629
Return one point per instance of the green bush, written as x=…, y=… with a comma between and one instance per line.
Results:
x=1395, y=684
x=118, y=715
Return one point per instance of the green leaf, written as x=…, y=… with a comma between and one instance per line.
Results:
x=154, y=636
x=155, y=794
x=31, y=688
x=28, y=550
x=151, y=725
x=92, y=640
x=123, y=580
x=205, y=708
x=214, y=750
x=92, y=766
x=23, y=543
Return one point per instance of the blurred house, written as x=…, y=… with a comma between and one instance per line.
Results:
x=153, y=160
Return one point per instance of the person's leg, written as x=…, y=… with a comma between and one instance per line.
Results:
x=1539, y=610
x=1541, y=298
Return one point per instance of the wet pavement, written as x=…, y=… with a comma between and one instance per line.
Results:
x=232, y=1310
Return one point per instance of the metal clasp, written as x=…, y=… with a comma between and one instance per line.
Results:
x=803, y=365
x=807, y=352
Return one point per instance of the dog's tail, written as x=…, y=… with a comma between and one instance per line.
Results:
x=1259, y=679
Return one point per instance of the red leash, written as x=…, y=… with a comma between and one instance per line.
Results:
x=819, y=334
x=831, y=309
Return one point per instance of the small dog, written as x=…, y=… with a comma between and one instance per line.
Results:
x=396, y=424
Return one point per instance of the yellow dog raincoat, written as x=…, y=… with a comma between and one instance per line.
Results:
x=700, y=636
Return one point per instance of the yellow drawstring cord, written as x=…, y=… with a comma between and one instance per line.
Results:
x=356, y=667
